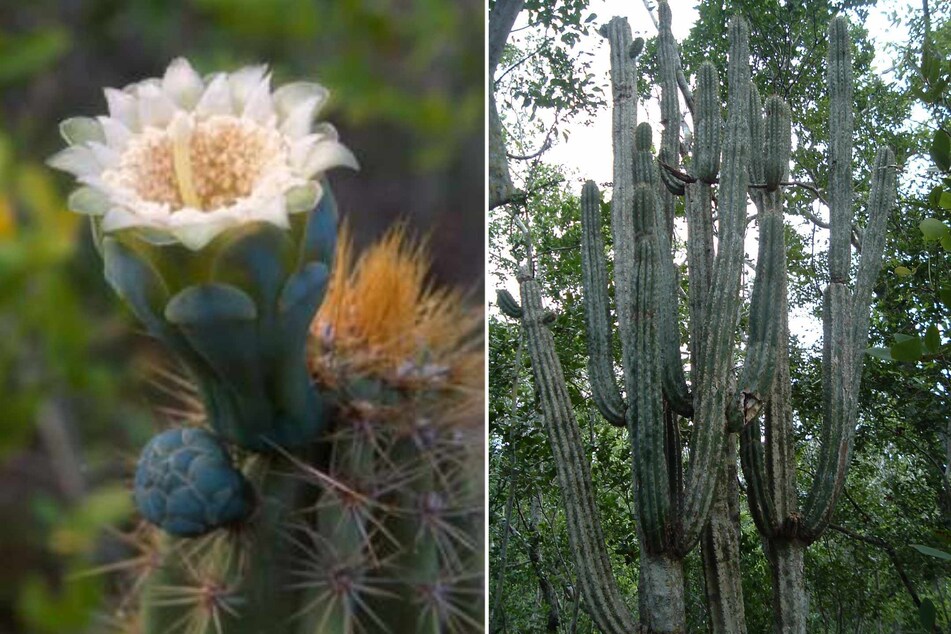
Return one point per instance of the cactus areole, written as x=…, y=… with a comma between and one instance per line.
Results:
x=216, y=226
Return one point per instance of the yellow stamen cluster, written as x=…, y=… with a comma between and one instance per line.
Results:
x=216, y=164
x=381, y=317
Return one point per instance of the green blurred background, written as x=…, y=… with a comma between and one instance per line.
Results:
x=77, y=398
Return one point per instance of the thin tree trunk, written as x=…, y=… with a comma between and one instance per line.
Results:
x=720, y=548
x=661, y=599
x=790, y=601
x=501, y=20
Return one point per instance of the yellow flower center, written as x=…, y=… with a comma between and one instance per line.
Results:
x=205, y=165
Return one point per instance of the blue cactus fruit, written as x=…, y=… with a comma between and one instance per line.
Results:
x=186, y=484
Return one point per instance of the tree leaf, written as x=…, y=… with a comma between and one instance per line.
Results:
x=946, y=242
x=902, y=271
x=934, y=197
x=931, y=552
x=907, y=350
x=944, y=201
x=941, y=150
x=927, y=614
x=880, y=353
x=932, y=339
x=945, y=295
x=933, y=229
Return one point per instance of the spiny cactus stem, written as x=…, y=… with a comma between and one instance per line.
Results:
x=604, y=387
x=700, y=268
x=667, y=60
x=710, y=424
x=708, y=124
x=840, y=149
x=648, y=428
x=598, y=585
x=845, y=332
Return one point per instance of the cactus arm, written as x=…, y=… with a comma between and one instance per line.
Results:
x=709, y=422
x=840, y=150
x=757, y=374
x=837, y=375
x=845, y=323
x=624, y=122
x=667, y=61
x=647, y=427
x=604, y=387
x=708, y=127
x=596, y=579
x=881, y=202
x=507, y=304
x=672, y=372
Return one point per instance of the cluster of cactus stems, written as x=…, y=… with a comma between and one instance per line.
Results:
x=745, y=158
x=333, y=481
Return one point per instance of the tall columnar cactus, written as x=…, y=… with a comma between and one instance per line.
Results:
x=749, y=159
x=771, y=470
x=325, y=475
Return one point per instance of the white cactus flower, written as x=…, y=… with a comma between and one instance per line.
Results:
x=184, y=158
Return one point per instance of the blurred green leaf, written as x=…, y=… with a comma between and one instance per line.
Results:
x=932, y=552
x=907, y=349
x=932, y=340
x=933, y=229
x=26, y=55
x=941, y=150
x=927, y=614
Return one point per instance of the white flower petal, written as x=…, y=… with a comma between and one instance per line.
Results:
x=116, y=134
x=243, y=82
x=216, y=98
x=105, y=155
x=81, y=130
x=89, y=201
x=298, y=121
x=303, y=197
x=118, y=218
x=327, y=154
x=124, y=108
x=289, y=96
x=259, y=106
x=274, y=211
x=76, y=159
x=200, y=232
x=182, y=83
x=155, y=107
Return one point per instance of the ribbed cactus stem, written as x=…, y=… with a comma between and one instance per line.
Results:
x=845, y=332
x=648, y=430
x=840, y=150
x=708, y=124
x=601, y=375
x=709, y=421
x=757, y=141
x=592, y=564
x=643, y=137
x=778, y=135
x=507, y=304
x=667, y=61
x=757, y=375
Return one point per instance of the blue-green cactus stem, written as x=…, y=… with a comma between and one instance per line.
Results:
x=238, y=314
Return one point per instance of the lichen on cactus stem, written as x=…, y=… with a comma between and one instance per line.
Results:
x=327, y=477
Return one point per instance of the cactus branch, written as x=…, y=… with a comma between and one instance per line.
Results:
x=595, y=576
x=604, y=387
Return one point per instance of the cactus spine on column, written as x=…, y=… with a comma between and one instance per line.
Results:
x=770, y=470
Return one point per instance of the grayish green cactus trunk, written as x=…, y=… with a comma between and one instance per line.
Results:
x=770, y=469
x=676, y=510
